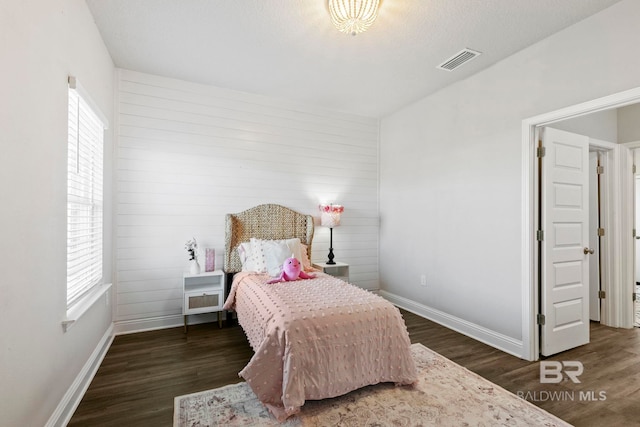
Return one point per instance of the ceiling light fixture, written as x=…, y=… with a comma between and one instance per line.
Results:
x=353, y=16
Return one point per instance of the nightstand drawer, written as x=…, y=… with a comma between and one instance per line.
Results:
x=203, y=301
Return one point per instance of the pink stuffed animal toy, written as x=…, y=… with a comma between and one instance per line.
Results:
x=291, y=270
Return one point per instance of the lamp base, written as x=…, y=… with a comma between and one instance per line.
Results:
x=331, y=261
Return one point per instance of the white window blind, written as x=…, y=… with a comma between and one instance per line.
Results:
x=84, y=195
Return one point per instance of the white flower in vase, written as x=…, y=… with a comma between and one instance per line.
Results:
x=192, y=248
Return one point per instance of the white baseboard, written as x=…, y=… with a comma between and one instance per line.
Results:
x=124, y=327
x=71, y=399
x=480, y=333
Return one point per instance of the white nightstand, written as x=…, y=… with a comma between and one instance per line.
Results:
x=203, y=293
x=339, y=270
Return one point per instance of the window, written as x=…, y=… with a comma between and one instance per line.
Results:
x=84, y=194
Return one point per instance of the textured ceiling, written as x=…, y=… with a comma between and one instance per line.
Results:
x=289, y=48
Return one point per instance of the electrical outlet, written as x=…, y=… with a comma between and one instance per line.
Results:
x=423, y=280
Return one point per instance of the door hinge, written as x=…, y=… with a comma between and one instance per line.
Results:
x=600, y=232
x=634, y=233
x=540, y=319
x=602, y=294
x=539, y=235
x=633, y=169
x=634, y=296
x=600, y=170
x=541, y=151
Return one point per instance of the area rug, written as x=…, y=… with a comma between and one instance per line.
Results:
x=446, y=395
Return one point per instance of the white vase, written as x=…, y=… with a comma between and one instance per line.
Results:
x=194, y=268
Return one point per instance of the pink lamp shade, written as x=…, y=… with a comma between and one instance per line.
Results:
x=330, y=215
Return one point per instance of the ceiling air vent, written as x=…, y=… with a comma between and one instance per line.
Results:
x=462, y=57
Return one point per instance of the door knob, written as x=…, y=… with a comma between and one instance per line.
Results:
x=588, y=251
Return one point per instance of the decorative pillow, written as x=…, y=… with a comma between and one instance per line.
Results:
x=244, y=250
x=274, y=252
x=257, y=254
x=304, y=258
x=246, y=257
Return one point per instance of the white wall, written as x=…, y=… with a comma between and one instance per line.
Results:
x=602, y=125
x=629, y=124
x=450, y=169
x=42, y=43
x=188, y=154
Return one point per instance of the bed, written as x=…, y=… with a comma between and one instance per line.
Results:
x=314, y=338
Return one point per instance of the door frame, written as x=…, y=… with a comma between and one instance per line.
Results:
x=609, y=198
x=615, y=310
x=633, y=147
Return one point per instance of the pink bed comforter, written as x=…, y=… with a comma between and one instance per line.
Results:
x=317, y=338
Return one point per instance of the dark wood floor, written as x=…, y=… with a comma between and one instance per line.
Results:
x=142, y=373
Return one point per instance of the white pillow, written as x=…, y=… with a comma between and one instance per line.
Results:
x=275, y=254
x=257, y=254
x=268, y=255
x=244, y=250
x=246, y=257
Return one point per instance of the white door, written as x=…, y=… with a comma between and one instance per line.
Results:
x=564, y=289
x=594, y=239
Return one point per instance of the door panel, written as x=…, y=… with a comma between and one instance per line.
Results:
x=564, y=220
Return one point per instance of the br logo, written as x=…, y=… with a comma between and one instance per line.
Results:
x=552, y=371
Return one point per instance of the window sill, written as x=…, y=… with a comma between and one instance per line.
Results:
x=76, y=311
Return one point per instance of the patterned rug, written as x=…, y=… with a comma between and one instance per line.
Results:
x=446, y=395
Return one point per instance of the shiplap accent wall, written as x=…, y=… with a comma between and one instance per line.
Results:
x=187, y=154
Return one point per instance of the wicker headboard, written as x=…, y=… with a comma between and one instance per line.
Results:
x=269, y=222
